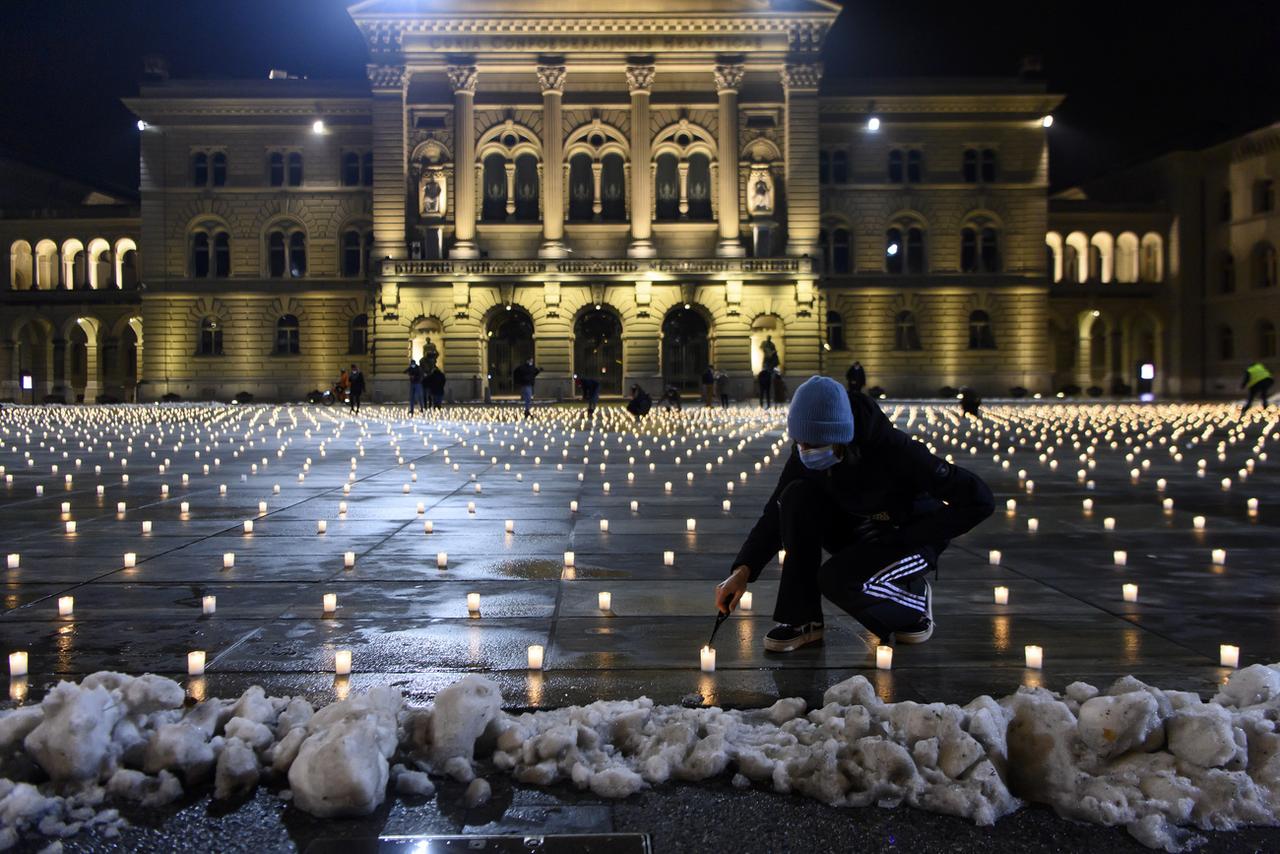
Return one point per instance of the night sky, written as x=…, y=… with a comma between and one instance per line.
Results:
x=1140, y=77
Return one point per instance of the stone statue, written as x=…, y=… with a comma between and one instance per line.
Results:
x=770, y=352
x=430, y=355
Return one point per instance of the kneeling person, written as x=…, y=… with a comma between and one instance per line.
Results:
x=876, y=500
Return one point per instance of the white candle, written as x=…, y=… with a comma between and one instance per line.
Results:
x=1198, y=523
x=725, y=505
x=1120, y=557
x=1253, y=506
x=691, y=524
x=708, y=659
x=228, y=560
x=1130, y=592
x=222, y=487
x=668, y=558
x=606, y=487
x=1033, y=525
x=1087, y=504
x=1002, y=595
x=1035, y=657
x=146, y=527
x=342, y=662
x=746, y=601
x=604, y=525
x=635, y=506
x=195, y=663
x=511, y=526
x=1011, y=505
x=322, y=526
x=535, y=656
x=1109, y=524
x=330, y=601
x=184, y=507
x=1228, y=655
x=1219, y=557
x=573, y=506
x=428, y=527
x=884, y=657
x=537, y=487
x=262, y=507
x=342, y=508
x=782, y=556
x=209, y=605
x=471, y=507
x=15, y=561
x=605, y=600
x=1168, y=505
x=66, y=606
x=993, y=557
x=17, y=664
x=442, y=559
x=248, y=526
x=568, y=558
x=120, y=507
x=71, y=527
x=667, y=486
x=66, y=507
x=348, y=559
x=473, y=602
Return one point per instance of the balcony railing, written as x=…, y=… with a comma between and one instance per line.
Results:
x=595, y=267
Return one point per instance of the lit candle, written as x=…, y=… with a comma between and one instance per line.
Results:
x=71, y=527
x=1198, y=523
x=1011, y=505
x=782, y=556
x=1130, y=592
x=708, y=659
x=330, y=602
x=209, y=605
x=1253, y=506
x=195, y=663
x=604, y=525
x=146, y=527
x=15, y=561
x=248, y=526
x=1219, y=557
x=535, y=656
x=511, y=526
x=66, y=606
x=1109, y=524
x=1002, y=595
x=668, y=558
x=1168, y=505
x=635, y=506
x=471, y=507
x=1228, y=655
x=1035, y=657
x=725, y=505
x=690, y=524
x=667, y=486
x=537, y=487
x=1033, y=525
x=1087, y=504
x=342, y=508
x=228, y=560
x=120, y=507
x=66, y=507
x=473, y=602
x=262, y=507
x=606, y=487
x=568, y=558
x=605, y=600
x=573, y=506
x=322, y=526
x=222, y=487
x=993, y=557
x=17, y=664
x=428, y=527
x=1120, y=557
x=442, y=560
x=342, y=662
x=884, y=657
x=746, y=601
x=184, y=507
x=348, y=559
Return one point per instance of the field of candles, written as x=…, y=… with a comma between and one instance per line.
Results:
x=329, y=557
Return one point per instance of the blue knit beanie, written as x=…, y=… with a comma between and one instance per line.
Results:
x=820, y=413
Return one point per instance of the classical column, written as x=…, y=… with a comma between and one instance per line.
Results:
x=728, y=79
x=463, y=80
x=639, y=80
x=387, y=84
x=551, y=79
x=800, y=84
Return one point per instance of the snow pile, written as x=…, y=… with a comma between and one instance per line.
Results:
x=1155, y=762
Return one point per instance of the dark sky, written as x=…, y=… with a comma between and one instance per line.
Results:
x=1140, y=77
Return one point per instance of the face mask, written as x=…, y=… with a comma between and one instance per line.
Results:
x=818, y=459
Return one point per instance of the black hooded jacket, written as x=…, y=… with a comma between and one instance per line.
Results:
x=887, y=482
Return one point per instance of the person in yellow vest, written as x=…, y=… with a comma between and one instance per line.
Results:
x=1258, y=380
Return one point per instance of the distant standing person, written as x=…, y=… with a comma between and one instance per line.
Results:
x=1259, y=381
x=779, y=387
x=414, y=373
x=764, y=379
x=709, y=386
x=523, y=376
x=434, y=383
x=722, y=388
x=590, y=393
x=856, y=377
x=356, y=378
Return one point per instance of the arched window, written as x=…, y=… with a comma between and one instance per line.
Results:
x=597, y=348
x=495, y=188
x=275, y=169
x=989, y=250
x=1266, y=339
x=295, y=169
x=824, y=167
x=1227, y=276
x=358, y=335
x=297, y=255
x=288, y=341
x=366, y=169
x=221, y=255
x=988, y=165
x=21, y=266
x=509, y=337
x=699, y=186
x=581, y=188
x=839, y=167
x=1264, y=265
x=613, y=188
x=276, y=255
x=915, y=251
x=527, y=188
x=905, y=334
x=686, y=348
x=286, y=251
x=969, y=168
x=210, y=252
x=350, y=169
x=915, y=166
x=980, y=335
x=667, y=184
x=1226, y=343
x=841, y=257
x=895, y=166
x=1152, y=261
x=894, y=251
x=200, y=254
x=356, y=245
x=968, y=250
x=219, y=162
x=835, y=330
x=199, y=169
x=210, y=337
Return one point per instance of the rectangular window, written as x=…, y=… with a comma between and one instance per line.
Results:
x=275, y=169
x=1264, y=196
x=295, y=169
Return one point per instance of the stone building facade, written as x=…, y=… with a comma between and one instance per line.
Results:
x=624, y=190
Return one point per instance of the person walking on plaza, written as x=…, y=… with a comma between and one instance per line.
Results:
x=1258, y=380
x=856, y=376
x=709, y=386
x=523, y=376
x=415, y=387
x=434, y=383
x=764, y=379
x=877, y=501
x=356, y=378
x=590, y=393
x=722, y=388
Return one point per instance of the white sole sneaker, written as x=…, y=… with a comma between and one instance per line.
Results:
x=811, y=636
x=922, y=636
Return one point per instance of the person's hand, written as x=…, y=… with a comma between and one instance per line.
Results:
x=729, y=591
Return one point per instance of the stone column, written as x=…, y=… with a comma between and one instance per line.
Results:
x=728, y=79
x=389, y=197
x=639, y=80
x=551, y=80
x=800, y=83
x=463, y=80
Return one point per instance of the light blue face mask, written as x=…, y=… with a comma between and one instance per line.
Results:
x=820, y=458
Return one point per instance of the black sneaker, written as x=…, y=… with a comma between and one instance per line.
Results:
x=785, y=638
x=923, y=630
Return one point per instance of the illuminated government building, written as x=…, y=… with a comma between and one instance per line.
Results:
x=627, y=189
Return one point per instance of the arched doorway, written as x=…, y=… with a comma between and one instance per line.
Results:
x=510, y=342
x=597, y=348
x=767, y=342
x=426, y=340
x=686, y=349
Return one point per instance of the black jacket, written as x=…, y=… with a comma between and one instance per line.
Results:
x=434, y=381
x=524, y=374
x=888, y=480
x=415, y=374
x=356, y=378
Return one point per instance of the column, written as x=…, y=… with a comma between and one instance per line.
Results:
x=800, y=84
x=639, y=81
x=389, y=198
x=551, y=80
x=728, y=79
x=463, y=80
